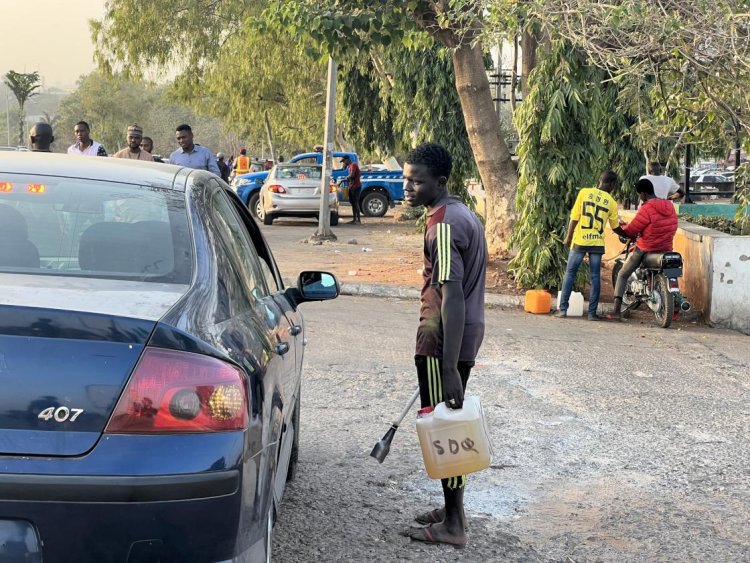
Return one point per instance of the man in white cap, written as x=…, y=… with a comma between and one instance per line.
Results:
x=134, y=150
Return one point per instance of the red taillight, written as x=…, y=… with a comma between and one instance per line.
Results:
x=277, y=189
x=36, y=188
x=181, y=392
x=6, y=187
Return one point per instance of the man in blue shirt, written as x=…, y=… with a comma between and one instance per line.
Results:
x=191, y=155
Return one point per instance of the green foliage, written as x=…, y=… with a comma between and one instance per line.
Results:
x=415, y=103
x=254, y=74
x=728, y=226
x=561, y=125
x=231, y=65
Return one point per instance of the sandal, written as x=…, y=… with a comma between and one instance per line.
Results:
x=433, y=517
x=426, y=535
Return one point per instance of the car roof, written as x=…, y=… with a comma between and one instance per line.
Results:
x=95, y=168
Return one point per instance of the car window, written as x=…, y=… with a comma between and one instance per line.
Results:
x=338, y=163
x=307, y=160
x=267, y=264
x=298, y=172
x=240, y=250
x=93, y=228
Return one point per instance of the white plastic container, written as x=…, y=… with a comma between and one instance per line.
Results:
x=454, y=441
x=575, y=304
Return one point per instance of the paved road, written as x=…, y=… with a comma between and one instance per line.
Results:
x=612, y=442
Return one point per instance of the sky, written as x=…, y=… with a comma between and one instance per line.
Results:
x=67, y=52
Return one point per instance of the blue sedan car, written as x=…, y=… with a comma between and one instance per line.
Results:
x=150, y=362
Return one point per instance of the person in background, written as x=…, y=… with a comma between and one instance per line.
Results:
x=223, y=167
x=451, y=318
x=84, y=145
x=147, y=144
x=355, y=187
x=242, y=163
x=664, y=186
x=134, y=151
x=655, y=225
x=593, y=209
x=190, y=154
x=41, y=137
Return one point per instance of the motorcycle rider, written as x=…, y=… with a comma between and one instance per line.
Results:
x=655, y=224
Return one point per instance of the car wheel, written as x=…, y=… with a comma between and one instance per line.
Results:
x=268, y=219
x=334, y=219
x=374, y=204
x=254, y=205
x=294, y=456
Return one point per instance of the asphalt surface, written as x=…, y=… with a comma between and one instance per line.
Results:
x=612, y=442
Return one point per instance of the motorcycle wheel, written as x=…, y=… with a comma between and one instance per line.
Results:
x=627, y=298
x=665, y=312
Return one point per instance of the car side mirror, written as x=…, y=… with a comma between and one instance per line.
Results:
x=314, y=286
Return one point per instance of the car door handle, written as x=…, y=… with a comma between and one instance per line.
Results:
x=295, y=330
x=281, y=348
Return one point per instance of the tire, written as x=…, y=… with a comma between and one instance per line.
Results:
x=374, y=204
x=253, y=206
x=666, y=309
x=268, y=219
x=294, y=456
x=334, y=219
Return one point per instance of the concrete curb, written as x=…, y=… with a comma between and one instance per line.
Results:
x=403, y=292
x=374, y=290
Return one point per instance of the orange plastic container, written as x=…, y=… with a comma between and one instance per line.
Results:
x=537, y=301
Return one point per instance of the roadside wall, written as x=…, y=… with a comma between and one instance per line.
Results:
x=730, y=305
x=716, y=272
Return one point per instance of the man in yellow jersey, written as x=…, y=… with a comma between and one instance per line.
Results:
x=242, y=164
x=594, y=207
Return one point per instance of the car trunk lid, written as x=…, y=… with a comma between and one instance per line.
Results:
x=62, y=370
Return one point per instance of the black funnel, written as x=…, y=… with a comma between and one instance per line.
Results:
x=382, y=448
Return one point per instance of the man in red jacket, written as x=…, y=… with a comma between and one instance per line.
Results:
x=655, y=224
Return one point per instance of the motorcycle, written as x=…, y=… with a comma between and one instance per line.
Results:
x=654, y=283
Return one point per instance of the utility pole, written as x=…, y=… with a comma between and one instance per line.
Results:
x=688, y=199
x=324, y=219
x=7, y=113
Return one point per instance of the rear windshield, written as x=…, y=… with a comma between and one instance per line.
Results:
x=90, y=228
x=298, y=172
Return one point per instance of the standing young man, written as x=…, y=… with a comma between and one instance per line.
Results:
x=664, y=186
x=41, y=137
x=355, y=187
x=147, y=144
x=84, y=145
x=134, y=151
x=593, y=209
x=190, y=154
x=242, y=164
x=451, y=320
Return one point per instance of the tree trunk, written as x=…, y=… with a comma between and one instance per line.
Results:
x=20, y=127
x=497, y=170
x=270, y=137
x=529, y=45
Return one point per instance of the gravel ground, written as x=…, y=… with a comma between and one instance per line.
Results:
x=613, y=442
